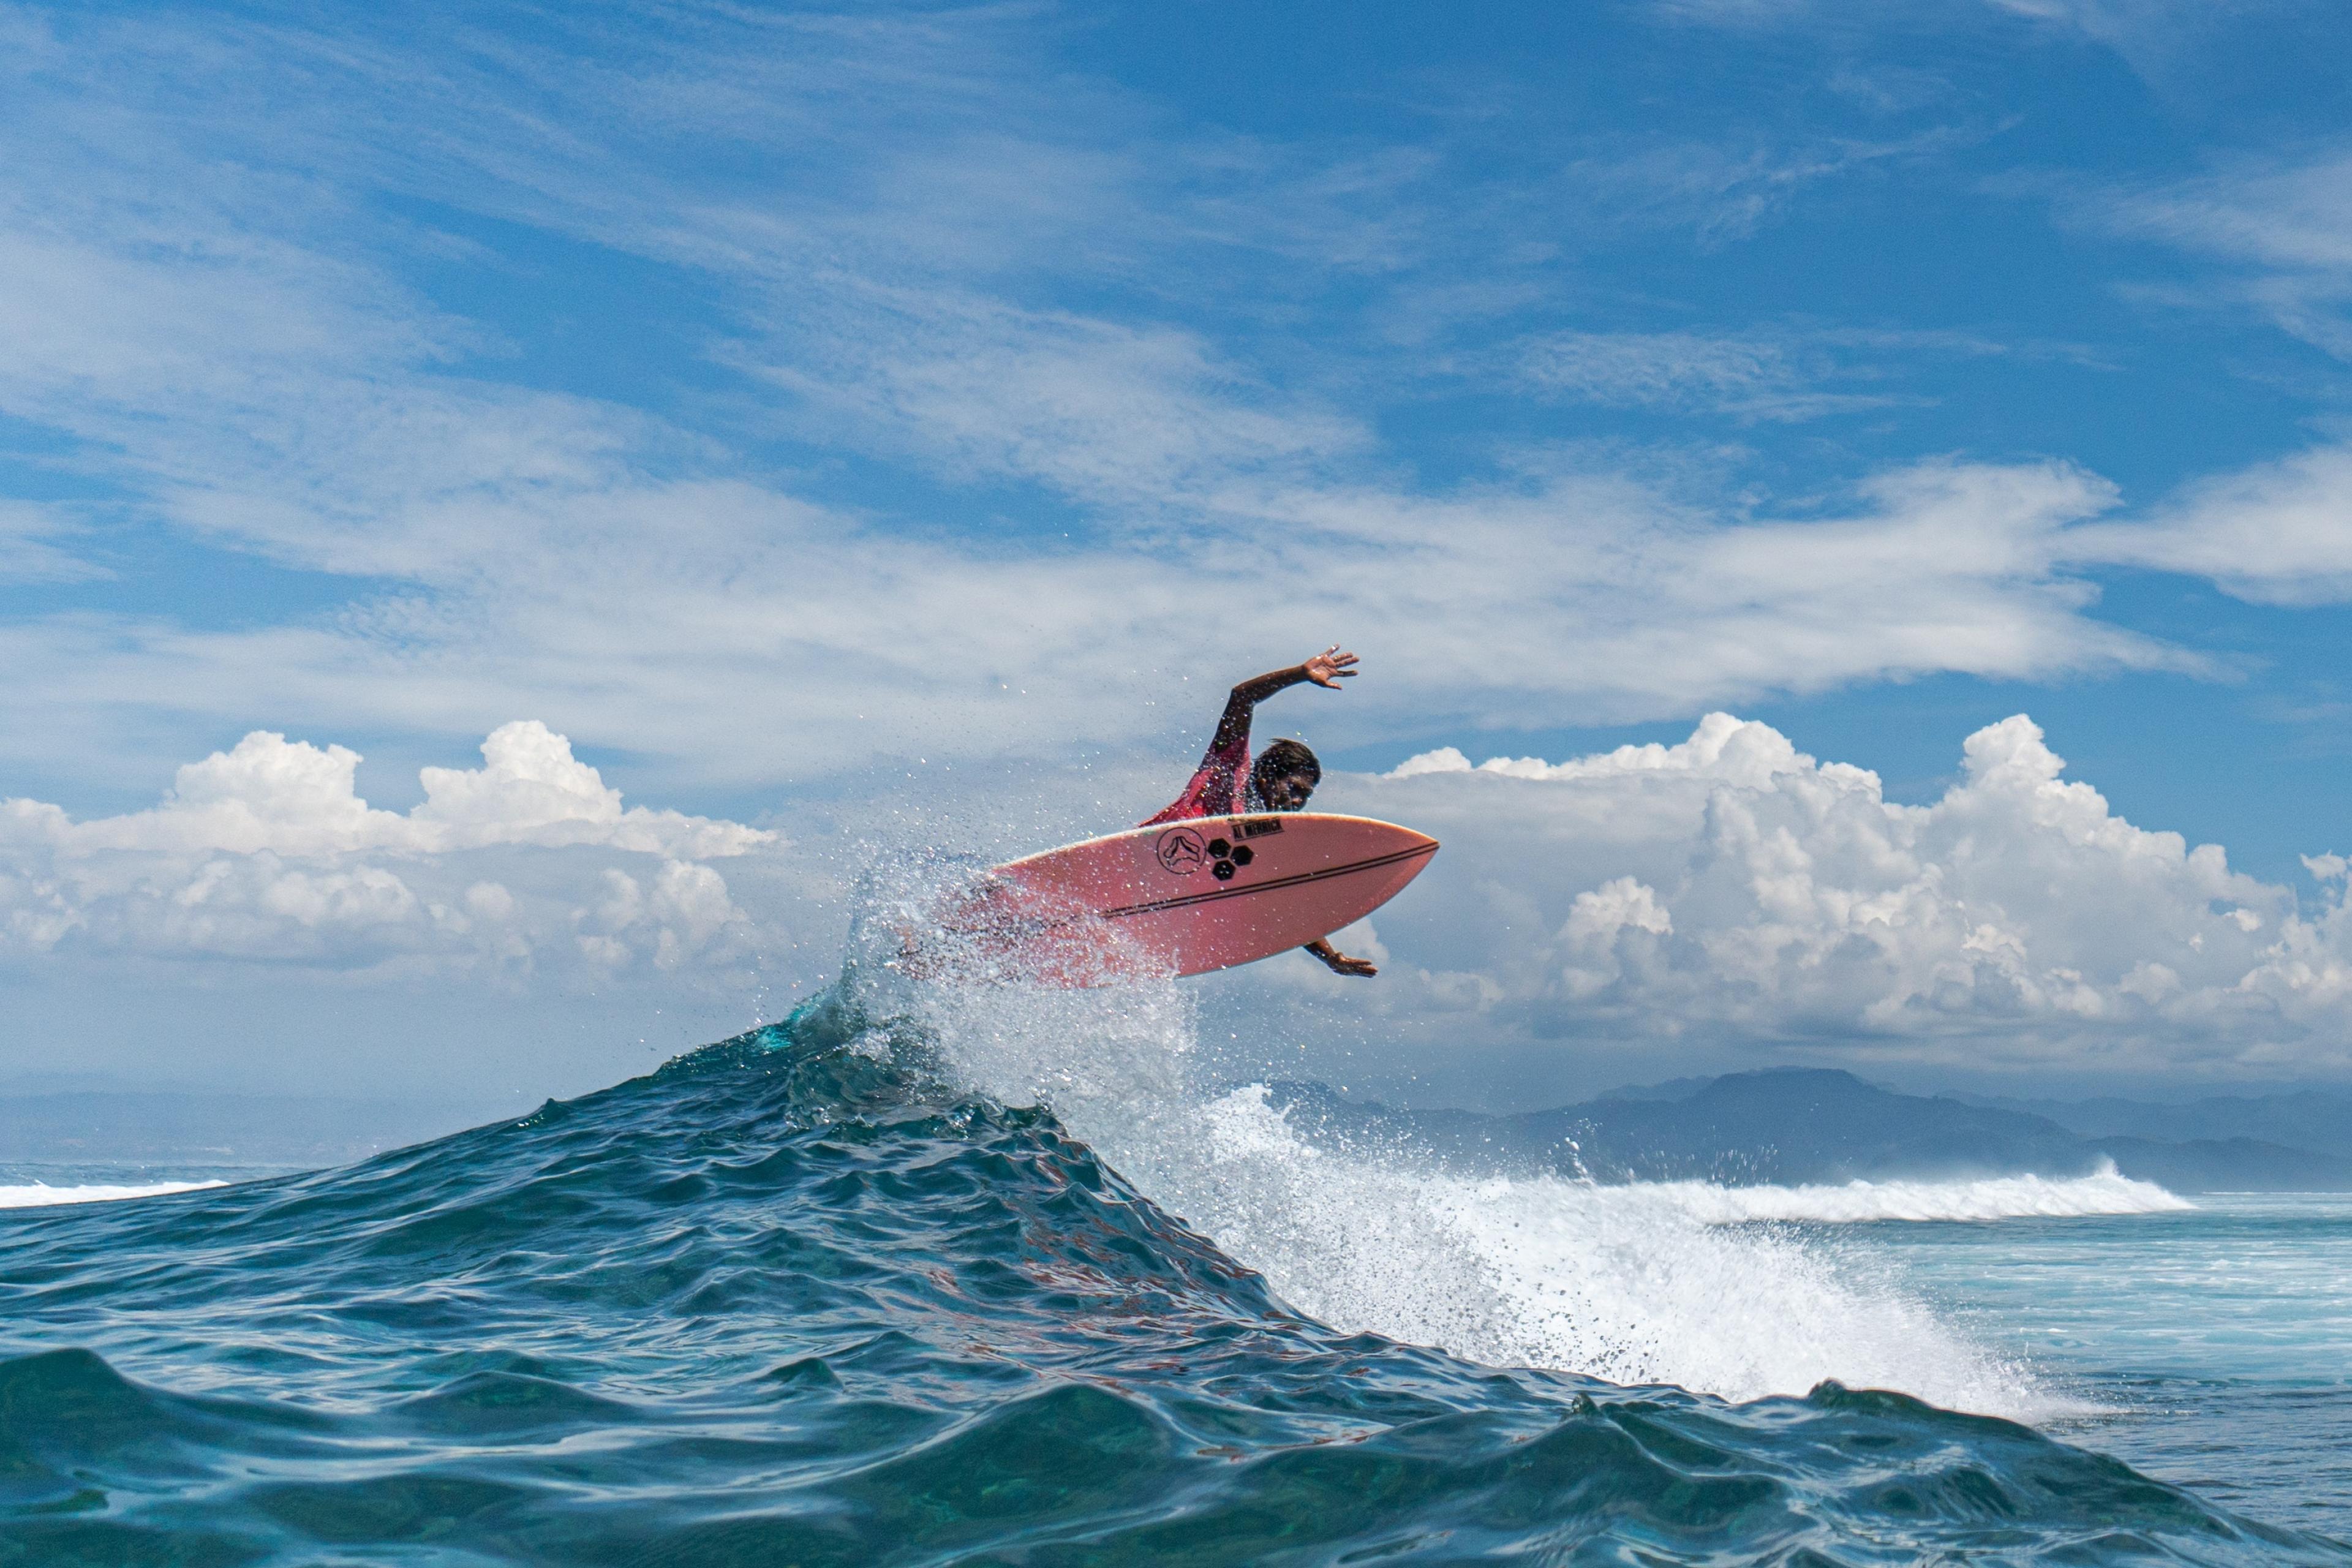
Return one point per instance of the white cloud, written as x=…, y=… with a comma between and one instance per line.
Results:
x=1612, y=599
x=2153, y=37
x=1747, y=376
x=1730, y=889
x=293, y=798
x=28, y=551
x=1783, y=374
x=265, y=851
x=2284, y=225
x=1726, y=893
x=2277, y=533
x=533, y=791
x=1726, y=192
x=262, y=373
x=2158, y=38
x=1129, y=417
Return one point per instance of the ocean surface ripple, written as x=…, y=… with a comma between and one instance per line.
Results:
x=805, y=1296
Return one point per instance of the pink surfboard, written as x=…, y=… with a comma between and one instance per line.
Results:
x=1181, y=898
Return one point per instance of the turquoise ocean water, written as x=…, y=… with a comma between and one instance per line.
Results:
x=846, y=1291
x=2215, y=1342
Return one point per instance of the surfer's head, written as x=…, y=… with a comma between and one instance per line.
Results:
x=1285, y=774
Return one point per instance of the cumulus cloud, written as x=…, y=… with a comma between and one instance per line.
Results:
x=291, y=798
x=267, y=851
x=1730, y=888
x=1726, y=893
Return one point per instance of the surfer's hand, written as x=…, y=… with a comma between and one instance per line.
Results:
x=1340, y=962
x=1330, y=666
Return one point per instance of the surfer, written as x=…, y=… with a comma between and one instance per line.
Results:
x=1228, y=784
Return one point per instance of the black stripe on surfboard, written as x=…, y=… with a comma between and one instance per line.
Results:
x=1321, y=873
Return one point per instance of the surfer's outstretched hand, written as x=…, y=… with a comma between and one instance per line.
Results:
x=1330, y=666
x=1340, y=962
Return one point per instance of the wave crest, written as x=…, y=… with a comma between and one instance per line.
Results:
x=2104, y=1192
x=40, y=1194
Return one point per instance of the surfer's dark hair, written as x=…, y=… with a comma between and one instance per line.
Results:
x=1288, y=756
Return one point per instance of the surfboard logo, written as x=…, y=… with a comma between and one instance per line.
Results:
x=1227, y=857
x=1181, y=851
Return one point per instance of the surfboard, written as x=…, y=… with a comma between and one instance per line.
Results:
x=1181, y=898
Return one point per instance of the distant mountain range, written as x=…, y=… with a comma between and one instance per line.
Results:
x=1797, y=1126
x=2314, y=1119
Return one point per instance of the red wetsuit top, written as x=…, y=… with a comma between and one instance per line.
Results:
x=1218, y=787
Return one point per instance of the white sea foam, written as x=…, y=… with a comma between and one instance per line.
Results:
x=1665, y=1282
x=1635, y=1284
x=42, y=1195
x=2105, y=1192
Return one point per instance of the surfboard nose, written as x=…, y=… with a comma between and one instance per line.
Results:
x=1405, y=841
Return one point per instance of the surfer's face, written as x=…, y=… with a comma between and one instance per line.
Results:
x=1286, y=792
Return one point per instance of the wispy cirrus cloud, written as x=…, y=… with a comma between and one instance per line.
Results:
x=1777, y=374
x=1749, y=376
x=2155, y=37
x=34, y=545
x=2277, y=533
x=247, y=348
x=2283, y=229
x=1723, y=193
x=903, y=257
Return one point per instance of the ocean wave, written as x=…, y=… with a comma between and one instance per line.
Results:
x=40, y=1194
x=808, y=1296
x=1634, y=1285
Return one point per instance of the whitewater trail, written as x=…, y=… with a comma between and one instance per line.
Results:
x=40, y=1194
x=1648, y=1283
x=1635, y=1284
x=2105, y=1192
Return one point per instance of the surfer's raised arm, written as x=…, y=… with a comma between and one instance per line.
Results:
x=1325, y=668
x=1227, y=782
x=1230, y=783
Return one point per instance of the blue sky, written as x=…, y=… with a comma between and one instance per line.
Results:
x=789, y=406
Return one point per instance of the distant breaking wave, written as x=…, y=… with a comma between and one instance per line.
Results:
x=2105, y=1192
x=42, y=1195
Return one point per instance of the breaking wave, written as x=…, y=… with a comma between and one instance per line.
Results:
x=39, y=1195
x=930, y=1274
x=1653, y=1283
x=2105, y=1192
